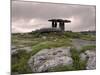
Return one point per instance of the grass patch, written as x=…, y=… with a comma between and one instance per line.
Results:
x=88, y=37
x=50, y=44
x=72, y=34
x=20, y=64
x=77, y=63
x=88, y=47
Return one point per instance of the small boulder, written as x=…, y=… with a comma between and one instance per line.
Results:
x=91, y=63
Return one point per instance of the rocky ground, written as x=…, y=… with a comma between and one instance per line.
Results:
x=47, y=59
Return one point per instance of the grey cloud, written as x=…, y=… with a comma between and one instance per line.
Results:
x=44, y=11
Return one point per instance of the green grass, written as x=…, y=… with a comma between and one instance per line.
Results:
x=51, y=44
x=88, y=37
x=72, y=34
x=88, y=47
x=77, y=63
x=20, y=64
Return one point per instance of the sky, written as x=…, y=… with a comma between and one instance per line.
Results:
x=30, y=16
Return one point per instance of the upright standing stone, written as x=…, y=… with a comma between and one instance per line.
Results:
x=55, y=24
x=61, y=25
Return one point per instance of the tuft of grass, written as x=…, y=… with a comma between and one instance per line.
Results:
x=88, y=47
x=20, y=64
x=77, y=63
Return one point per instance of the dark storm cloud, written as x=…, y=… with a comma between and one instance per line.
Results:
x=33, y=14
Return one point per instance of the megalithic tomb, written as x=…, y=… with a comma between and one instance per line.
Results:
x=61, y=23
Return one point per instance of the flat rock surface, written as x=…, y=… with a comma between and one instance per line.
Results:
x=48, y=58
x=15, y=49
x=78, y=43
